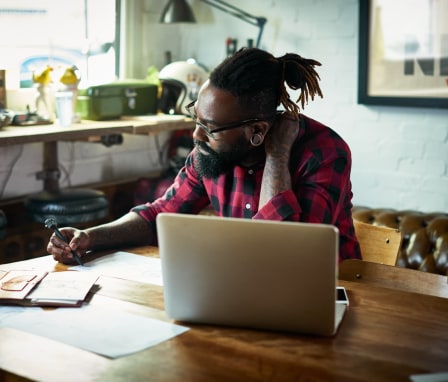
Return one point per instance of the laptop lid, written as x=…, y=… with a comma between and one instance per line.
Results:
x=250, y=273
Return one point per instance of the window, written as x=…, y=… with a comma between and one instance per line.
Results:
x=37, y=33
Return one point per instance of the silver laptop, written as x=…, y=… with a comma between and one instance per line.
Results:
x=250, y=273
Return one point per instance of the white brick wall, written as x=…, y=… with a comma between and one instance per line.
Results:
x=80, y=163
x=400, y=155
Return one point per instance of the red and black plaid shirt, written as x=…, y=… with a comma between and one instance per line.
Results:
x=320, y=166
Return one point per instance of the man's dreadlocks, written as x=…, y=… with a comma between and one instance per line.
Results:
x=258, y=79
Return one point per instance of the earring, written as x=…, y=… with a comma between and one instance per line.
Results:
x=256, y=140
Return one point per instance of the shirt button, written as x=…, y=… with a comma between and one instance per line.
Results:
x=251, y=172
x=247, y=206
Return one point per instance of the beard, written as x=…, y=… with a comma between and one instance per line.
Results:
x=214, y=164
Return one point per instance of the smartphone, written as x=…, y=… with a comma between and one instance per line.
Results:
x=341, y=296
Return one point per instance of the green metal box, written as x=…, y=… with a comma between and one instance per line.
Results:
x=118, y=98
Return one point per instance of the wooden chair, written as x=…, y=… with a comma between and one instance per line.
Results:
x=378, y=244
x=379, y=248
x=392, y=277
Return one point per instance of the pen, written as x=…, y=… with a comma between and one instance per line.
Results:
x=52, y=224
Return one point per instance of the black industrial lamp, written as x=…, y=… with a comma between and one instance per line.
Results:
x=177, y=11
x=180, y=11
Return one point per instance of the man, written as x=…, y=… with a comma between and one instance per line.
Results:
x=249, y=160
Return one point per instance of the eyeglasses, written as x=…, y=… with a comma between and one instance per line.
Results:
x=216, y=129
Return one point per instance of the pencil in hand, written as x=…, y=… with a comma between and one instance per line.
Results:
x=53, y=225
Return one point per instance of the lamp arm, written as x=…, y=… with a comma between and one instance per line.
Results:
x=260, y=32
x=239, y=13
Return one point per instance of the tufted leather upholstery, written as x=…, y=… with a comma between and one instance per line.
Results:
x=425, y=236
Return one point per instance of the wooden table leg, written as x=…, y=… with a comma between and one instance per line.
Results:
x=51, y=172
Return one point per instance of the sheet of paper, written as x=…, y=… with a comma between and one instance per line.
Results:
x=7, y=311
x=108, y=332
x=126, y=265
x=431, y=377
x=64, y=286
x=16, y=284
x=46, y=263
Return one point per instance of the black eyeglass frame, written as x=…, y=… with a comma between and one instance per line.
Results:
x=230, y=126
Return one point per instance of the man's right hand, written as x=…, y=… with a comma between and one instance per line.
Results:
x=79, y=241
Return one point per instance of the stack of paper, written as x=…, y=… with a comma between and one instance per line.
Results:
x=40, y=288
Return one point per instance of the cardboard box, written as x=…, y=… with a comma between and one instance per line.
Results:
x=113, y=100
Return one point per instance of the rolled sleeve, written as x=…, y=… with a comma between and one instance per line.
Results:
x=283, y=206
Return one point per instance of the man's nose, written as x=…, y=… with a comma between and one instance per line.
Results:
x=200, y=135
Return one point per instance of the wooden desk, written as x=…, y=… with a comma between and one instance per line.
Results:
x=51, y=134
x=15, y=135
x=386, y=335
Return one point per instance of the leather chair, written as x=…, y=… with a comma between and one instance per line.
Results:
x=424, y=236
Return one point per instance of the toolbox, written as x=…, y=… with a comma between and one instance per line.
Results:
x=118, y=98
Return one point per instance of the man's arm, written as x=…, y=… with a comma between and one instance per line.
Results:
x=276, y=176
x=130, y=229
x=317, y=192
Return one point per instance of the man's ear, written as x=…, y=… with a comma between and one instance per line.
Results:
x=258, y=132
x=260, y=127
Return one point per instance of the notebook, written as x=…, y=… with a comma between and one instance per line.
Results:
x=247, y=273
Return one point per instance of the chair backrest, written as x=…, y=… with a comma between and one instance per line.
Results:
x=392, y=277
x=378, y=244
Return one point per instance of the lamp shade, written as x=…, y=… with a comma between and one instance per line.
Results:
x=177, y=11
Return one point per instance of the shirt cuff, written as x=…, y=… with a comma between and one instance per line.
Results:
x=283, y=206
